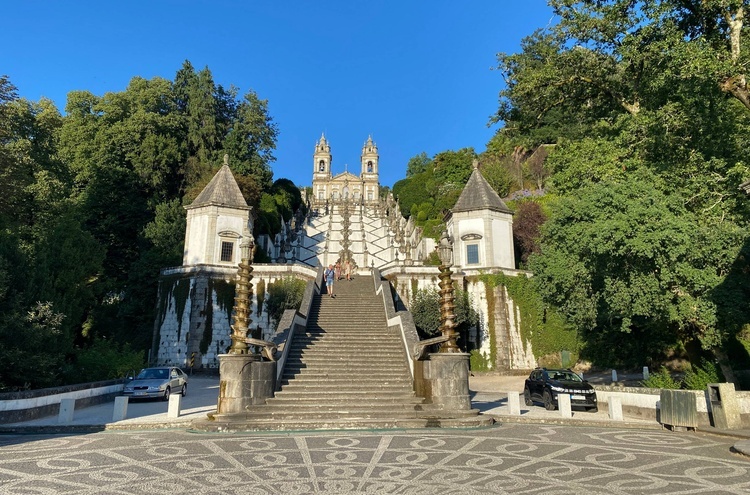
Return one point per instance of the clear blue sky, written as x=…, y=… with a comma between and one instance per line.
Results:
x=413, y=74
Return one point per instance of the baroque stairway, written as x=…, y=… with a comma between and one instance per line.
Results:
x=347, y=370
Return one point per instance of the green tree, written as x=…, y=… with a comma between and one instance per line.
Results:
x=252, y=139
x=418, y=164
x=425, y=309
x=284, y=294
x=619, y=259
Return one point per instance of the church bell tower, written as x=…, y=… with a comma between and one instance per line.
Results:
x=322, y=159
x=369, y=160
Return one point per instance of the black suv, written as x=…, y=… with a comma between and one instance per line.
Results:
x=544, y=384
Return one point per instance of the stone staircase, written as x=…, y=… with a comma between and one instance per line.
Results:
x=347, y=370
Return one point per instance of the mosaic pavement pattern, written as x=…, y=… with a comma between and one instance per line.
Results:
x=518, y=459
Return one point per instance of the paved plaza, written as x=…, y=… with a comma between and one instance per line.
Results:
x=513, y=458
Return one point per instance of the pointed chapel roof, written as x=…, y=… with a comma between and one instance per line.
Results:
x=221, y=191
x=479, y=195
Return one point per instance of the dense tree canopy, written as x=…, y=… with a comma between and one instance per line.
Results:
x=646, y=105
x=91, y=207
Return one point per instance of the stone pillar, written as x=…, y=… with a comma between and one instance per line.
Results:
x=175, y=404
x=514, y=403
x=120, y=410
x=67, y=408
x=245, y=381
x=725, y=408
x=563, y=403
x=449, y=373
x=615, y=408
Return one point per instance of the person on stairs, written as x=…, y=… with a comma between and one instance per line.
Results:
x=329, y=275
x=348, y=270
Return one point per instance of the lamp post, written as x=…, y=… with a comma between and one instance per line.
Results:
x=243, y=292
x=447, y=308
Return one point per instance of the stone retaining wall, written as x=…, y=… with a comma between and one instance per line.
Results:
x=643, y=403
x=33, y=404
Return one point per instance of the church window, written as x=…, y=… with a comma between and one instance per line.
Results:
x=227, y=249
x=335, y=195
x=369, y=166
x=322, y=166
x=472, y=254
x=321, y=195
x=369, y=195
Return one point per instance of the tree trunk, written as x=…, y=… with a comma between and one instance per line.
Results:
x=726, y=370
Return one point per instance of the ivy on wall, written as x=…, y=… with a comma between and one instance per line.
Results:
x=541, y=325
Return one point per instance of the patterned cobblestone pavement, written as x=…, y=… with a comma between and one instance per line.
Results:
x=518, y=459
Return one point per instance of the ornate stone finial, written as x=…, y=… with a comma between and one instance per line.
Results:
x=226, y=159
x=475, y=163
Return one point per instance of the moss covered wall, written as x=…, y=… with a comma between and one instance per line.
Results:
x=202, y=299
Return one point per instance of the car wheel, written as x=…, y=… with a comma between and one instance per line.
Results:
x=527, y=397
x=184, y=390
x=166, y=394
x=594, y=409
x=548, y=404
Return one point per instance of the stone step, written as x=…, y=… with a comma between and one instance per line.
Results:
x=310, y=385
x=341, y=380
x=425, y=420
x=348, y=415
x=373, y=353
x=357, y=368
x=323, y=396
x=328, y=341
x=327, y=373
x=344, y=401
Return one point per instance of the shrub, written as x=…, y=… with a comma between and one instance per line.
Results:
x=698, y=377
x=425, y=309
x=104, y=360
x=479, y=361
x=284, y=294
x=661, y=379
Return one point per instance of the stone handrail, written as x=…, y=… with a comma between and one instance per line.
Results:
x=401, y=319
x=268, y=349
x=291, y=320
x=420, y=348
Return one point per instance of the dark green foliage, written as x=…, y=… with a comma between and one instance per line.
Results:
x=644, y=250
x=27, y=351
x=91, y=208
x=527, y=223
x=478, y=361
x=283, y=294
x=543, y=326
x=698, y=377
x=104, y=360
x=425, y=309
x=418, y=164
x=661, y=379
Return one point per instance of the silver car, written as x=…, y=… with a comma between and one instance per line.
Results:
x=159, y=382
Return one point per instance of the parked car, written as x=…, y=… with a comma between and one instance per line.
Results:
x=152, y=383
x=543, y=385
